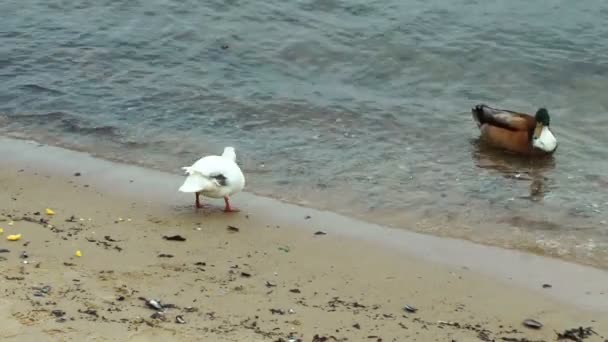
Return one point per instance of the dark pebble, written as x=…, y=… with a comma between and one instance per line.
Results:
x=174, y=238
x=158, y=315
x=277, y=311
x=58, y=313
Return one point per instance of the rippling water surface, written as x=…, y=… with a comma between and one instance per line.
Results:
x=360, y=107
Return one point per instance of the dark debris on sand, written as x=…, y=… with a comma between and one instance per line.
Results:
x=576, y=334
x=272, y=323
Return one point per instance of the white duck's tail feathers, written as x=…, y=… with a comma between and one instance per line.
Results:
x=195, y=182
x=188, y=169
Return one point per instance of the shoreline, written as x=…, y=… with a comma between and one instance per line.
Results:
x=530, y=242
x=528, y=271
x=397, y=264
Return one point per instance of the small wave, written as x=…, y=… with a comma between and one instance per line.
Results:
x=74, y=125
x=39, y=88
x=64, y=122
x=31, y=118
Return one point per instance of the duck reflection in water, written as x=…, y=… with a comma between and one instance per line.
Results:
x=515, y=166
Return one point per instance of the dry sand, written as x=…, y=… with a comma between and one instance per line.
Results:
x=270, y=278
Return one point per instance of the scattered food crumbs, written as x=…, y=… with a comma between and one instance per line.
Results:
x=49, y=211
x=14, y=237
x=78, y=254
x=1, y=230
x=11, y=223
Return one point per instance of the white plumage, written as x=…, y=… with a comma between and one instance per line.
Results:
x=215, y=176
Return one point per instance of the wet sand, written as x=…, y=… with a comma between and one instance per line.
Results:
x=268, y=278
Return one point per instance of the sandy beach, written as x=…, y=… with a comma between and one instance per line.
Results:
x=272, y=272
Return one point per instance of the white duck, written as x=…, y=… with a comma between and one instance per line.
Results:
x=215, y=176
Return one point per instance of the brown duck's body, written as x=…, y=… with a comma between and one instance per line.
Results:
x=509, y=130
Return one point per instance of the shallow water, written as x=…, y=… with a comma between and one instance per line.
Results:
x=358, y=107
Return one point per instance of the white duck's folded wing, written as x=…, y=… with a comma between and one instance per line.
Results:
x=195, y=182
x=207, y=174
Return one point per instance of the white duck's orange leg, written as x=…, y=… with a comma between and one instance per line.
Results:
x=228, y=208
x=198, y=202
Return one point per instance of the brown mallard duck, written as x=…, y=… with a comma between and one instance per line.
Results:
x=516, y=132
